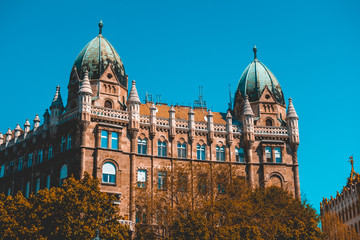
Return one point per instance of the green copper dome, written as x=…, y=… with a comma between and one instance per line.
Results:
x=96, y=57
x=254, y=79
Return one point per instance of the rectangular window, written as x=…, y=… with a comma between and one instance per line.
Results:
x=50, y=152
x=27, y=191
x=48, y=181
x=104, y=139
x=162, y=180
x=114, y=140
x=63, y=142
x=68, y=146
x=141, y=178
x=9, y=191
x=181, y=150
x=30, y=160
x=200, y=152
x=220, y=154
x=20, y=164
x=161, y=149
x=2, y=170
x=241, y=155
x=268, y=153
x=278, y=155
x=142, y=146
x=40, y=156
x=37, y=185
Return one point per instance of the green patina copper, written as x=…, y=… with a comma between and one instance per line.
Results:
x=254, y=79
x=96, y=57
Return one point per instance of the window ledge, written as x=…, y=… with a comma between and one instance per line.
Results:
x=108, y=184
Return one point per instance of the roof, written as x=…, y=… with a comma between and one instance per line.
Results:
x=96, y=57
x=182, y=113
x=254, y=79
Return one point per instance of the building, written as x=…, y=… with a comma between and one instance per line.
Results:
x=346, y=205
x=106, y=130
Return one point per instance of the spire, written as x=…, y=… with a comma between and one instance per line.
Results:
x=57, y=101
x=85, y=86
x=291, y=113
x=133, y=95
x=353, y=173
x=247, y=110
x=100, y=26
x=255, y=50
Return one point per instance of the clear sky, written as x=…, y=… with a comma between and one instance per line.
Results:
x=173, y=47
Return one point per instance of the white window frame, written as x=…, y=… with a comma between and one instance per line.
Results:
x=181, y=147
x=220, y=153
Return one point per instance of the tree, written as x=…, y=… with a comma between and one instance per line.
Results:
x=333, y=228
x=73, y=211
x=211, y=202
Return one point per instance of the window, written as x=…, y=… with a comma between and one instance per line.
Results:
x=268, y=153
x=30, y=159
x=200, y=152
x=108, y=173
x=2, y=170
x=68, y=142
x=20, y=164
x=104, y=139
x=62, y=146
x=268, y=122
x=142, y=146
x=278, y=155
x=182, y=183
x=40, y=156
x=220, y=154
x=114, y=140
x=161, y=149
x=48, y=181
x=63, y=173
x=181, y=150
x=27, y=189
x=239, y=155
x=37, y=185
x=202, y=183
x=9, y=191
x=141, y=178
x=162, y=180
x=50, y=152
x=108, y=104
x=221, y=188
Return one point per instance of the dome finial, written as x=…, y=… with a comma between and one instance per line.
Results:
x=254, y=49
x=100, y=26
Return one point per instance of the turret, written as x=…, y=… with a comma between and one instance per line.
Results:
x=153, y=120
x=133, y=105
x=17, y=132
x=7, y=137
x=46, y=118
x=85, y=97
x=229, y=127
x=56, y=107
x=36, y=122
x=26, y=126
x=191, y=125
x=1, y=138
x=292, y=124
x=248, y=122
x=172, y=122
x=210, y=126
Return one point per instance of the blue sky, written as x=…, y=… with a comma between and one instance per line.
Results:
x=173, y=47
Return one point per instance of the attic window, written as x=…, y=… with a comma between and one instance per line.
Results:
x=108, y=104
x=267, y=96
x=109, y=76
x=269, y=122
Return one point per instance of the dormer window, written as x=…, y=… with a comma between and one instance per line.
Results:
x=269, y=122
x=108, y=104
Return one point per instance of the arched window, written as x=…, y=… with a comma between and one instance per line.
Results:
x=239, y=155
x=63, y=173
x=268, y=153
x=220, y=154
x=142, y=146
x=269, y=122
x=161, y=148
x=181, y=150
x=108, y=104
x=278, y=158
x=108, y=173
x=200, y=152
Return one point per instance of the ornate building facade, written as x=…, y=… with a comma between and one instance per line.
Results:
x=106, y=130
x=346, y=205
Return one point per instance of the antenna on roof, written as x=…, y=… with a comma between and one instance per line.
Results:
x=148, y=97
x=200, y=103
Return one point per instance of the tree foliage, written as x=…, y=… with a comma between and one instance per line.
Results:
x=333, y=228
x=73, y=211
x=211, y=202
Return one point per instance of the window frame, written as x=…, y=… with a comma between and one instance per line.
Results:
x=104, y=136
x=200, y=152
x=268, y=154
x=50, y=152
x=162, y=180
x=69, y=143
x=220, y=153
x=181, y=150
x=162, y=148
x=20, y=164
x=142, y=146
x=110, y=177
x=62, y=145
x=30, y=160
x=141, y=184
x=40, y=156
x=114, y=142
x=280, y=155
